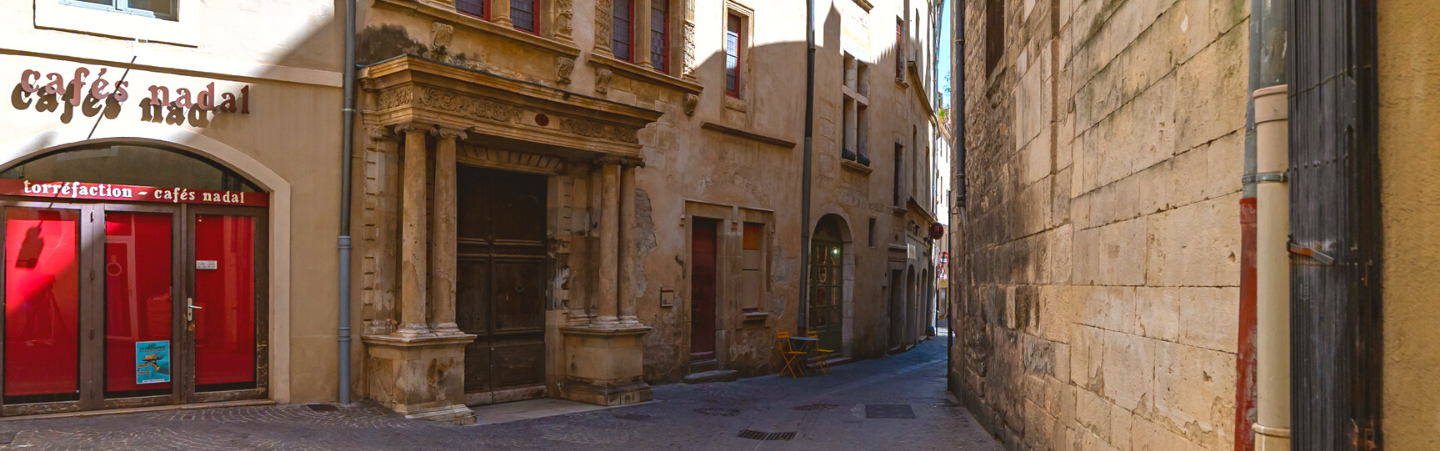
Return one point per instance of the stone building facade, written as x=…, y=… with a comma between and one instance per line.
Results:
x=578, y=199
x=1098, y=270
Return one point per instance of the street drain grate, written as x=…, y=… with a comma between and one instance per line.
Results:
x=898, y=411
x=717, y=412
x=757, y=435
x=322, y=407
x=816, y=406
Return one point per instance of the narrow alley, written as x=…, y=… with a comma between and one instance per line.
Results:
x=861, y=406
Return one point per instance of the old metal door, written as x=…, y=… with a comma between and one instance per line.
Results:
x=702, y=289
x=1335, y=212
x=826, y=273
x=500, y=271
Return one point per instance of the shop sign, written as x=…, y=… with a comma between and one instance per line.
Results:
x=152, y=362
x=129, y=193
x=98, y=96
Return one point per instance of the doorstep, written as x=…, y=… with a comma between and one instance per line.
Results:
x=96, y=413
x=532, y=409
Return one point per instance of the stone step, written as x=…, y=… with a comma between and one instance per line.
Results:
x=702, y=366
x=712, y=376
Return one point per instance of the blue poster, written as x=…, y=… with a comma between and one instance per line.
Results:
x=152, y=362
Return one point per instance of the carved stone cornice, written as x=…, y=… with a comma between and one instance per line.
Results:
x=410, y=89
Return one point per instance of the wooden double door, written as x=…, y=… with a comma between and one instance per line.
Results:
x=129, y=305
x=500, y=277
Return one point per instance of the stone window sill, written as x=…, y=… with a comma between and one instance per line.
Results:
x=644, y=74
x=856, y=167
x=736, y=103
x=481, y=25
x=751, y=317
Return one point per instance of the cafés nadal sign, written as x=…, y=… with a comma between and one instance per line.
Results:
x=94, y=95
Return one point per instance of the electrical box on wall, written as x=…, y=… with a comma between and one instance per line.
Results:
x=667, y=297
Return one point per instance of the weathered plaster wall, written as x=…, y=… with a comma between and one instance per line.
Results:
x=289, y=53
x=1410, y=169
x=1101, y=261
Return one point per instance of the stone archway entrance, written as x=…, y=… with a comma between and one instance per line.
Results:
x=826, y=281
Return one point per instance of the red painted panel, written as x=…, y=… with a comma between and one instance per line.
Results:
x=702, y=288
x=42, y=302
x=1245, y=409
x=137, y=292
x=225, y=322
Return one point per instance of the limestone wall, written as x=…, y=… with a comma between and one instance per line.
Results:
x=1101, y=263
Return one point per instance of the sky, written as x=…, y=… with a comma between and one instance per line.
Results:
x=945, y=44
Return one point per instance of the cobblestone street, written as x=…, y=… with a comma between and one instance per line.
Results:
x=828, y=412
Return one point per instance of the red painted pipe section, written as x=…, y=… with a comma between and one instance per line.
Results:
x=1245, y=412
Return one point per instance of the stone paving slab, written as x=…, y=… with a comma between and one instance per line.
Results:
x=825, y=412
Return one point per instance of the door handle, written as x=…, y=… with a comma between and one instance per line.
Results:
x=190, y=309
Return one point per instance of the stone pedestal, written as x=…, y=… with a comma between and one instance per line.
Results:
x=422, y=378
x=606, y=365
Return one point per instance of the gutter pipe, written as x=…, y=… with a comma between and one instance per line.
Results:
x=346, y=150
x=806, y=174
x=1266, y=166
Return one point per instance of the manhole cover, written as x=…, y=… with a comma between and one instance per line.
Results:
x=717, y=412
x=816, y=406
x=322, y=407
x=902, y=411
x=757, y=435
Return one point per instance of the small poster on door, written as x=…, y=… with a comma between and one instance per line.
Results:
x=152, y=362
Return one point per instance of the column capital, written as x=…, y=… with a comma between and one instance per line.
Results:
x=449, y=133
x=413, y=127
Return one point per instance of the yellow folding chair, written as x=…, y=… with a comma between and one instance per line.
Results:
x=822, y=357
x=790, y=355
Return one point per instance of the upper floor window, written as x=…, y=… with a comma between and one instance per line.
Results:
x=899, y=48
x=621, y=32
x=660, y=35
x=522, y=12
x=159, y=9
x=994, y=33
x=734, y=41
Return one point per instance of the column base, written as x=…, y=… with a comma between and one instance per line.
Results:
x=422, y=378
x=606, y=365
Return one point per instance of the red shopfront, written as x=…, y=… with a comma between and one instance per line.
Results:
x=133, y=276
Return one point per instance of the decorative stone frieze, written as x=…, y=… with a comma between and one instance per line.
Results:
x=592, y=129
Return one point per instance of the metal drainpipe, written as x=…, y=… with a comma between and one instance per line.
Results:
x=1272, y=426
x=348, y=143
x=805, y=174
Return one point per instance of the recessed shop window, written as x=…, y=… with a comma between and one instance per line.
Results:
x=752, y=266
x=130, y=165
x=159, y=9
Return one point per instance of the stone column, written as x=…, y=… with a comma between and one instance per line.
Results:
x=500, y=13
x=607, y=314
x=627, y=244
x=412, y=234
x=442, y=243
x=640, y=26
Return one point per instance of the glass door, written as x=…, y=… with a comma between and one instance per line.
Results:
x=225, y=312
x=140, y=319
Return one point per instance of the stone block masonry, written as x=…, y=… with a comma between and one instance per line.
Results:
x=1098, y=283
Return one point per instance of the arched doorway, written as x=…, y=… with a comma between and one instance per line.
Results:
x=177, y=308
x=827, y=282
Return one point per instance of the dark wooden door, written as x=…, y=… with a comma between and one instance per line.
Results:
x=500, y=273
x=702, y=289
